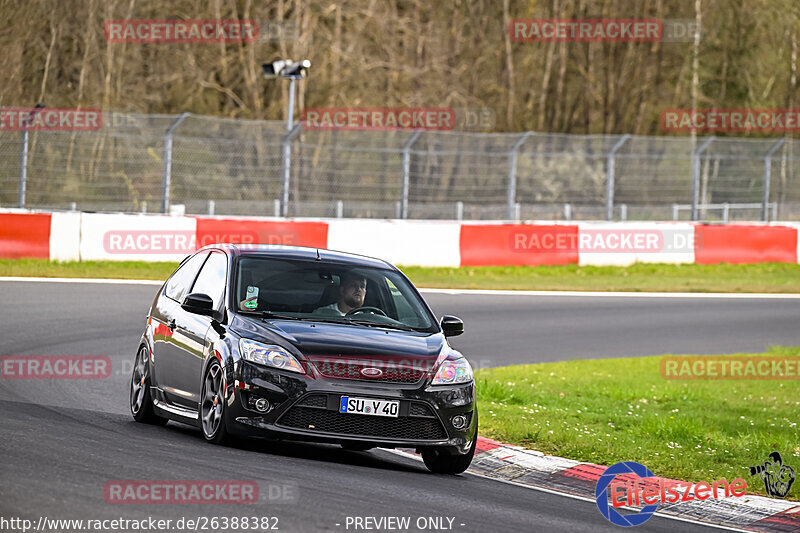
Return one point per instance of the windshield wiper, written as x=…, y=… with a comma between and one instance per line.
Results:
x=270, y=314
x=380, y=325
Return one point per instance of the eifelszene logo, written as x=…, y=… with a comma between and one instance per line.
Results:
x=638, y=486
x=778, y=477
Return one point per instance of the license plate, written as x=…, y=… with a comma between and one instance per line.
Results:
x=368, y=406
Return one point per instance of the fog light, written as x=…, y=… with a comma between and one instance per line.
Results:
x=262, y=405
x=460, y=422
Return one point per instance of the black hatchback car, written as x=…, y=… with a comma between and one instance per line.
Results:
x=305, y=344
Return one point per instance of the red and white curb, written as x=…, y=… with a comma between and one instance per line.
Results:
x=566, y=476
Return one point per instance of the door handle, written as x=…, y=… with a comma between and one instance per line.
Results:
x=171, y=324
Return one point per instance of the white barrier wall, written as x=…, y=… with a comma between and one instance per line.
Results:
x=122, y=237
x=406, y=242
x=610, y=243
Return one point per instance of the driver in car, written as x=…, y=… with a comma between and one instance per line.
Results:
x=352, y=291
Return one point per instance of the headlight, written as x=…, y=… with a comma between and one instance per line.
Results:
x=270, y=355
x=452, y=371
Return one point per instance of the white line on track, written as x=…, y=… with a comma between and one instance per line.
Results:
x=84, y=280
x=477, y=292
x=573, y=496
x=602, y=294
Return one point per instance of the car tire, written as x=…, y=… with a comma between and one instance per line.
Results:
x=439, y=461
x=141, y=402
x=211, y=414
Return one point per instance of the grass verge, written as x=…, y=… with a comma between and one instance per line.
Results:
x=761, y=277
x=610, y=410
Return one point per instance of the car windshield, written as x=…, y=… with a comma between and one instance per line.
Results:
x=311, y=290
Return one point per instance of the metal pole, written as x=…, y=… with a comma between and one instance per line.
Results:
x=166, y=174
x=23, y=168
x=696, y=175
x=512, y=173
x=406, y=172
x=339, y=209
x=290, y=114
x=459, y=210
x=610, y=170
x=23, y=157
x=725, y=212
x=623, y=212
x=675, y=209
x=287, y=168
x=767, y=177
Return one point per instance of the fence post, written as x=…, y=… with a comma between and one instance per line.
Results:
x=406, y=172
x=696, y=175
x=512, y=173
x=23, y=169
x=459, y=211
x=166, y=175
x=610, y=170
x=287, y=168
x=767, y=176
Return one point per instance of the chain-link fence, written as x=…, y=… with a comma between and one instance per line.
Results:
x=147, y=163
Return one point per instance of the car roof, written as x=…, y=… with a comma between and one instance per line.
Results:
x=302, y=253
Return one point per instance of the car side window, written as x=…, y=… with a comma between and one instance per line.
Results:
x=212, y=277
x=405, y=312
x=178, y=284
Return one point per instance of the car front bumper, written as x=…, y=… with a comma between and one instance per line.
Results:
x=304, y=407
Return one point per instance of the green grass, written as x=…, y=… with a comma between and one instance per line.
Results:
x=761, y=277
x=640, y=277
x=610, y=410
x=86, y=269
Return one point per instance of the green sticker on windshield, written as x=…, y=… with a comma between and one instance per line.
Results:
x=252, y=304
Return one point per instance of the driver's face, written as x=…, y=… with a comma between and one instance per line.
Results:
x=353, y=292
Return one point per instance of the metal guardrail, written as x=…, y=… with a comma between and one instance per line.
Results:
x=725, y=209
x=244, y=166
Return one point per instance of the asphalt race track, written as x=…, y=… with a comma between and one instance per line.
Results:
x=64, y=439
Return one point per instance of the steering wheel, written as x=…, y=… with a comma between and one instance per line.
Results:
x=367, y=309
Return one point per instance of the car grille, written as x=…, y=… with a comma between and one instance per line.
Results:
x=421, y=424
x=398, y=373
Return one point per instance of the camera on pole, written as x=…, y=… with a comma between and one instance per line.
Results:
x=286, y=68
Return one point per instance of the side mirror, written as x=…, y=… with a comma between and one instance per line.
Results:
x=199, y=304
x=452, y=326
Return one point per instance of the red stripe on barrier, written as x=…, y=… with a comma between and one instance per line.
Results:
x=245, y=231
x=745, y=244
x=518, y=244
x=484, y=445
x=785, y=521
x=24, y=235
